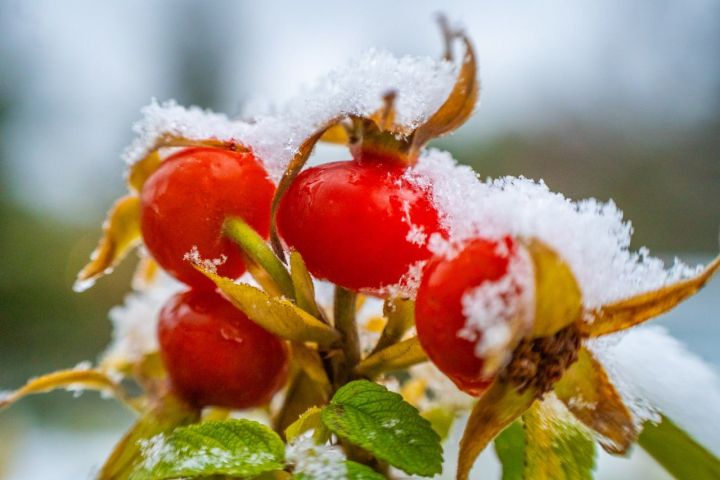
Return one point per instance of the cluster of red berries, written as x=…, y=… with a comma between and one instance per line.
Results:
x=349, y=220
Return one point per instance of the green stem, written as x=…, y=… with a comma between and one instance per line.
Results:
x=344, y=313
x=258, y=250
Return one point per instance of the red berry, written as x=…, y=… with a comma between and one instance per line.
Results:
x=187, y=199
x=215, y=355
x=441, y=318
x=360, y=225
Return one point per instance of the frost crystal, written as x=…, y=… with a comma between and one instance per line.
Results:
x=316, y=461
x=590, y=235
x=206, y=264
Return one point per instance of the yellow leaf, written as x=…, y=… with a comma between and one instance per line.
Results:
x=397, y=356
x=121, y=232
x=141, y=170
x=400, y=313
x=146, y=273
x=275, y=314
x=309, y=420
x=302, y=394
x=588, y=393
x=634, y=310
x=496, y=409
x=459, y=105
x=304, y=288
x=310, y=362
x=558, y=301
x=77, y=378
x=166, y=414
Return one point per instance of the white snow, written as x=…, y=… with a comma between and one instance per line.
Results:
x=590, y=235
x=496, y=314
x=422, y=84
x=135, y=322
x=316, y=461
x=654, y=372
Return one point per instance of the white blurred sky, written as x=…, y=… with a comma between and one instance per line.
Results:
x=74, y=74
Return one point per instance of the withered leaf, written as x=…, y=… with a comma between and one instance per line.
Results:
x=121, y=232
x=397, y=356
x=400, y=314
x=588, y=393
x=635, y=310
x=304, y=287
x=310, y=362
x=558, y=300
x=302, y=394
x=495, y=410
x=141, y=170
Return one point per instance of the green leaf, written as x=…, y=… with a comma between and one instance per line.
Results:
x=510, y=450
x=381, y=422
x=258, y=250
x=230, y=447
x=677, y=452
x=358, y=471
x=355, y=471
x=557, y=447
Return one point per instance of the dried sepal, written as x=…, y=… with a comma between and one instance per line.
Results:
x=587, y=392
x=640, y=308
x=337, y=134
x=499, y=406
x=141, y=170
x=277, y=315
x=293, y=169
x=459, y=105
x=146, y=272
x=558, y=300
x=400, y=314
x=121, y=232
x=71, y=379
x=395, y=357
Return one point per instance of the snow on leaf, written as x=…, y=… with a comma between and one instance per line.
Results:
x=229, y=447
x=316, y=462
x=381, y=422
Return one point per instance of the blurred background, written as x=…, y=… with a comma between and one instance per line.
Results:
x=615, y=100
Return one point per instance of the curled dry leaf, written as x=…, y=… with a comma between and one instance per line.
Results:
x=304, y=287
x=495, y=410
x=275, y=314
x=459, y=105
x=558, y=301
x=397, y=356
x=71, y=379
x=121, y=232
x=141, y=170
x=587, y=392
x=635, y=310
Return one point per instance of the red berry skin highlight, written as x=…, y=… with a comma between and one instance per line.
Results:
x=439, y=311
x=215, y=355
x=350, y=221
x=186, y=200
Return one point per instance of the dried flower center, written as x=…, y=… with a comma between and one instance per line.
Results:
x=539, y=363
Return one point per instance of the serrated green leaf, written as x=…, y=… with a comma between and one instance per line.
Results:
x=358, y=471
x=677, y=452
x=230, y=447
x=381, y=422
x=510, y=450
x=557, y=447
